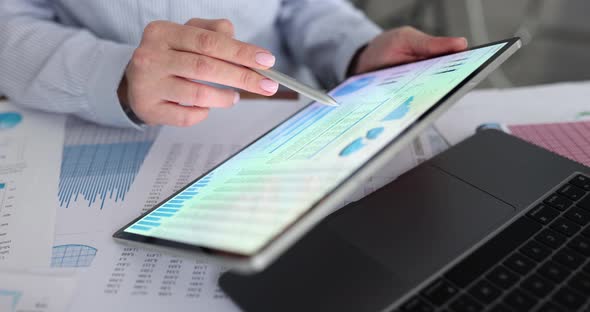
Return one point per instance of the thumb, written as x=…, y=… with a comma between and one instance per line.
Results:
x=426, y=45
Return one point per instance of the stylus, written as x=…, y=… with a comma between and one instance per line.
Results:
x=297, y=86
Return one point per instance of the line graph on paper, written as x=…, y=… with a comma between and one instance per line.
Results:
x=98, y=167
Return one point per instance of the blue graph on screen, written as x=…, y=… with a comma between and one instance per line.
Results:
x=354, y=86
x=352, y=148
x=400, y=111
x=72, y=256
x=99, y=164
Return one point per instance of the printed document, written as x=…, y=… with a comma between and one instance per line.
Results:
x=30, y=154
x=23, y=292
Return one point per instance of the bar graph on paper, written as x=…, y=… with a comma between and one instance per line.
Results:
x=98, y=167
x=99, y=164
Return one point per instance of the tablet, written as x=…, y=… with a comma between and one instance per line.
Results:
x=254, y=205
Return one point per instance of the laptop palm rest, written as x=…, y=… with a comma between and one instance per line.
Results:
x=371, y=252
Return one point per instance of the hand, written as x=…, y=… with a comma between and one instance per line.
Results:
x=158, y=77
x=403, y=45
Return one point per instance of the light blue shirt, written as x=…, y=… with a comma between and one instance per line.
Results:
x=68, y=56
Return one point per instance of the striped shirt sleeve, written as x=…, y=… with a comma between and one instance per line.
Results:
x=55, y=68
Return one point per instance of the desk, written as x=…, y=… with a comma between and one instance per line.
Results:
x=459, y=122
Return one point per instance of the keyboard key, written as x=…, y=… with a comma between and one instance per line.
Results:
x=551, y=238
x=493, y=251
x=569, y=299
x=550, y=307
x=586, y=268
x=581, y=245
x=519, y=300
x=558, y=202
x=565, y=226
x=582, y=182
x=466, y=304
x=417, y=305
x=584, y=203
x=581, y=217
x=581, y=283
x=537, y=285
x=586, y=231
x=553, y=271
x=536, y=251
x=572, y=192
x=485, y=292
x=568, y=258
x=543, y=213
x=439, y=292
x=518, y=263
x=502, y=277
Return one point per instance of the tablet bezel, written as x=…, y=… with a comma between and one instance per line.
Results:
x=330, y=201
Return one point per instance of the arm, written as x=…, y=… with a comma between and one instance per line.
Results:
x=51, y=67
x=325, y=35
x=55, y=68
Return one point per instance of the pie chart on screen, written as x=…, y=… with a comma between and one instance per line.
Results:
x=354, y=86
x=10, y=120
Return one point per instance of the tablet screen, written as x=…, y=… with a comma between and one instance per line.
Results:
x=243, y=203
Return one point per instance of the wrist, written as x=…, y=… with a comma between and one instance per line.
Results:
x=354, y=61
x=123, y=100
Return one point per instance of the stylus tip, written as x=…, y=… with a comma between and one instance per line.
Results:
x=330, y=101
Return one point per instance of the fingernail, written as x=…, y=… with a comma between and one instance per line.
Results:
x=464, y=40
x=265, y=59
x=269, y=85
x=236, y=97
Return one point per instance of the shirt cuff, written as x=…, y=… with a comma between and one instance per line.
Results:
x=361, y=33
x=102, y=93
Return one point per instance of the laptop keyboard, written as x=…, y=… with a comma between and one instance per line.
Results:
x=540, y=262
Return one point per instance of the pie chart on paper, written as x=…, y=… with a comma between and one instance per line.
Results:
x=10, y=120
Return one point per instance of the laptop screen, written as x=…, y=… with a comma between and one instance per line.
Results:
x=249, y=199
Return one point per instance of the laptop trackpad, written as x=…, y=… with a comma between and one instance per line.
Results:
x=421, y=221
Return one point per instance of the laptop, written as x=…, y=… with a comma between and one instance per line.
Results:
x=255, y=205
x=492, y=224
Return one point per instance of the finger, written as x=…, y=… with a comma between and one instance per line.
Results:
x=173, y=114
x=200, y=67
x=223, y=25
x=180, y=90
x=440, y=45
x=426, y=45
x=217, y=45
